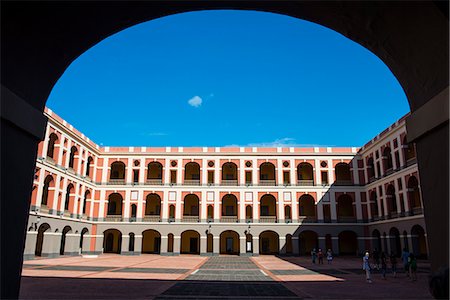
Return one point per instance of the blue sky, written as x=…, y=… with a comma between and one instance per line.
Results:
x=218, y=78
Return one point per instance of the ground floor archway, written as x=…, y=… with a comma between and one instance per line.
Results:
x=395, y=244
x=419, y=243
x=151, y=241
x=269, y=242
x=40, y=238
x=229, y=242
x=62, y=247
x=112, y=241
x=308, y=240
x=190, y=242
x=348, y=243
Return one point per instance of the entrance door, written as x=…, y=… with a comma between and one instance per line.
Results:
x=109, y=242
x=229, y=245
x=193, y=245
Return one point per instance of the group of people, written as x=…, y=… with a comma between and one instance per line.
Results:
x=319, y=255
x=381, y=260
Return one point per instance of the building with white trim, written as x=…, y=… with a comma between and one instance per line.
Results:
x=215, y=200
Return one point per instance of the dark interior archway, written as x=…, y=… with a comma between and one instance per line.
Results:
x=28, y=79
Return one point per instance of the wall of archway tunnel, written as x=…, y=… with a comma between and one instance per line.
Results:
x=27, y=80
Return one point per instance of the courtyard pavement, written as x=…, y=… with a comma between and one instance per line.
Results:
x=110, y=276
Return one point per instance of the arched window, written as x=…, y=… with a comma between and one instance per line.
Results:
x=229, y=173
x=88, y=166
x=117, y=171
x=391, y=200
x=305, y=174
x=47, y=183
x=267, y=174
x=69, y=191
x=172, y=212
x=415, y=202
x=409, y=151
x=192, y=173
x=387, y=159
x=51, y=145
x=370, y=169
x=343, y=174
x=115, y=204
x=154, y=173
x=374, y=205
x=86, y=195
x=345, y=209
x=73, y=152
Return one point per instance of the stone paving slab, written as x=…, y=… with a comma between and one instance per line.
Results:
x=293, y=272
x=228, y=275
x=249, y=290
x=231, y=263
x=152, y=270
x=77, y=268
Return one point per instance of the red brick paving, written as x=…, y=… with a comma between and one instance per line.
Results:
x=39, y=283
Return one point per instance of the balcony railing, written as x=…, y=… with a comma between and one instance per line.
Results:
x=229, y=219
x=307, y=219
x=116, y=181
x=343, y=182
x=346, y=219
x=267, y=183
x=304, y=182
x=153, y=182
x=388, y=172
x=191, y=182
x=229, y=182
x=113, y=218
x=411, y=161
x=417, y=211
x=194, y=219
x=267, y=219
x=150, y=218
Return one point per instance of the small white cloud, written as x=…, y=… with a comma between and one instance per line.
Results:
x=195, y=101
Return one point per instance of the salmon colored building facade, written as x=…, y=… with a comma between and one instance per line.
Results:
x=223, y=200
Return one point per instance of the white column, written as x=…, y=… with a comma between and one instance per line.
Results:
x=94, y=169
x=279, y=172
x=80, y=160
x=217, y=176
x=369, y=208
x=319, y=205
x=45, y=141
x=81, y=202
x=397, y=197
x=280, y=208
x=63, y=195
x=293, y=174
x=317, y=177
x=102, y=201
x=330, y=170
x=76, y=199
x=385, y=212
x=180, y=170
x=358, y=206
x=178, y=212
x=203, y=206
x=129, y=170
x=165, y=205
x=405, y=194
x=255, y=173
x=40, y=187
x=167, y=171
x=142, y=173
x=204, y=172
x=217, y=212
x=69, y=145
x=105, y=169
x=56, y=193
x=333, y=209
x=61, y=150
x=255, y=206
x=126, y=205
x=241, y=179
x=242, y=205
x=294, y=205
x=355, y=171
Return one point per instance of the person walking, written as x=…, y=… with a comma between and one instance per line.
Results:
x=329, y=256
x=383, y=265
x=412, y=262
x=405, y=258
x=393, y=260
x=313, y=255
x=320, y=256
x=366, y=267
